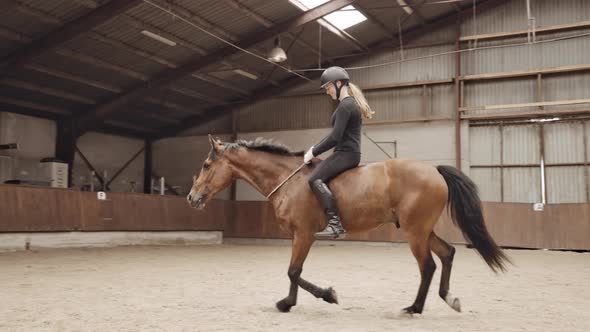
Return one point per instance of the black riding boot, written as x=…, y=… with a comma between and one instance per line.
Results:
x=326, y=198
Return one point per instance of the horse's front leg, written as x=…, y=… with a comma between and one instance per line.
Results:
x=300, y=249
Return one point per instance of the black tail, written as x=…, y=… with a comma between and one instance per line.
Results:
x=466, y=212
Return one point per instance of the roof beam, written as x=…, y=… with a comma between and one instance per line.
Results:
x=104, y=111
x=87, y=59
x=48, y=91
x=13, y=35
x=127, y=125
x=38, y=14
x=34, y=106
x=289, y=83
x=87, y=3
x=73, y=78
x=375, y=21
x=196, y=95
x=174, y=106
x=67, y=32
x=345, y=36
x=417, y=13
x=115, y=129
x=202, y=22
x=268, y=23
x=84, y=58
x=155, y=117
x=108, y=87
x=132, y=21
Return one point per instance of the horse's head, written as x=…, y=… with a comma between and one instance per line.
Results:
x=216, y=175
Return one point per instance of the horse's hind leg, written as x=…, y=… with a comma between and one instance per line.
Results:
x=419, y=244
x=445, y=252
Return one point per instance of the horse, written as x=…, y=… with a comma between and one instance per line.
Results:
x=409, y=193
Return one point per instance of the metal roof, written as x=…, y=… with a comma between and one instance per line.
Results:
x=102, y=59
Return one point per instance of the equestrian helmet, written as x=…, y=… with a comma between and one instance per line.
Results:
x=333, y=74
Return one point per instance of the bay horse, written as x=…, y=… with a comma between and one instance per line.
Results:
x=409, y=193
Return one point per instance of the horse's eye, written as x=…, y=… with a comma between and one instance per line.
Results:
x=205, y=166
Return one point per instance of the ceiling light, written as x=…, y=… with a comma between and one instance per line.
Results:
x=246, y=74
x=277, y=54
x=158, y=38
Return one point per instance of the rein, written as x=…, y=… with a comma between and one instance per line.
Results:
x=285, y=180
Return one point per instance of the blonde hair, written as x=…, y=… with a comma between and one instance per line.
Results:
x=357, y=94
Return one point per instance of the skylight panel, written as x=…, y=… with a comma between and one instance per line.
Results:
x=342, y=19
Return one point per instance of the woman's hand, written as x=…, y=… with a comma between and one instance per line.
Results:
x=308, y=156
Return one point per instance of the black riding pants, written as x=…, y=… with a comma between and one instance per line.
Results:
x=335, y=164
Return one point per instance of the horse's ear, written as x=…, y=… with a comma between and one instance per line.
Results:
x=215, y=143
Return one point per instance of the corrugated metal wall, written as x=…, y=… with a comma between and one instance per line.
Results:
x=312, y=111
x=521, y=147
x=431, y=68
x=565, y=160
x=177, y=159
x=109, y=153
x=486, y=143
x=480, y=93
x=570, y=86
x=287, y=113
x=511, y=17
x=36, y=140
x=564, y=143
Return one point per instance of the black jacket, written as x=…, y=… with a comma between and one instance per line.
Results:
x=346, y=129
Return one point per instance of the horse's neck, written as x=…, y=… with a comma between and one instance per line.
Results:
x=262, y=170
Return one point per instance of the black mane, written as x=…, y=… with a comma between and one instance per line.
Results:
x=266, y=145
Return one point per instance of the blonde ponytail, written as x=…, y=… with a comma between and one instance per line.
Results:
x=357, y=94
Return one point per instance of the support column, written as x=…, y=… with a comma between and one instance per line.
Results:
x=458, y=96
x=65, y=144
x=147, y=167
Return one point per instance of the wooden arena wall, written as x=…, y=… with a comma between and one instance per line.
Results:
x=32, y=209
x=559, y=226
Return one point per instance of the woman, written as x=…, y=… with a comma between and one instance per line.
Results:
x=345, y=138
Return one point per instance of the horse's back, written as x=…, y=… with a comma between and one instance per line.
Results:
x=390, y=181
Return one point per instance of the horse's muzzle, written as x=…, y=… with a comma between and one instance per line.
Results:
x=197, y=201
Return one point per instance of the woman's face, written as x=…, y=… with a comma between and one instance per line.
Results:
x=331, y=90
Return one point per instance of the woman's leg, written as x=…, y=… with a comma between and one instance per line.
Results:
x=323, y=173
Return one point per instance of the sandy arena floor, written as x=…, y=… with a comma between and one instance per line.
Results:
x=235, y=287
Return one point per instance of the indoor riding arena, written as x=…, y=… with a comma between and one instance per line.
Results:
x=193, y=165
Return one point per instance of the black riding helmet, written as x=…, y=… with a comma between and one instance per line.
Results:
x=332, y=75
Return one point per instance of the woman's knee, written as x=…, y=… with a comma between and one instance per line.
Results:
x=312, y=179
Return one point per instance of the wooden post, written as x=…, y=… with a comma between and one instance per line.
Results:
x=586, y=170
x=542, y=165
x=540, y=89
x=147, y=167
x=501, y=162
x=458, y=96
x=234, y=137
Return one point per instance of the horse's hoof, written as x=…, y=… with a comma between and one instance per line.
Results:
x=331, y=296
x=456, y=305
x=283, y=306
x=410, y=311
x=453, y=302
